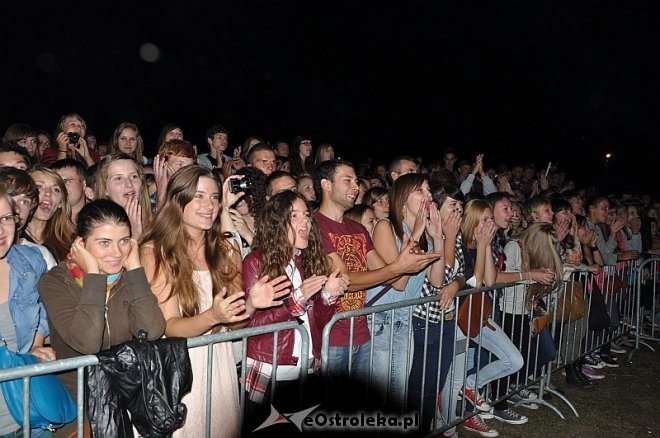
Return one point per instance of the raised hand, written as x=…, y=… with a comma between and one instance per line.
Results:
x=265, y=293
x=229, y=198
x=412, y=259
x=562, y=228
x=434, y=224
x=420, y=220
x=484, y=233
x=84, y=258
x=337, y=283
x=312, y=284
x=228, y=309
x=237, y=152
x=133, y=259
x=134, y=212
x=503, y=185
x=452, y=224
x=618, y=224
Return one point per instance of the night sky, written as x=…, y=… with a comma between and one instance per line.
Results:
x=519, y=81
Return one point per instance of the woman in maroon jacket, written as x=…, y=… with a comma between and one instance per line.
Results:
x=287, y=241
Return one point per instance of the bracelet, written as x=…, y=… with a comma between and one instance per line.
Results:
x=593, y=248
x=62, y=150
x=520, y=273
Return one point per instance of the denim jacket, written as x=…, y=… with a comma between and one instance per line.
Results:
x=28, y=313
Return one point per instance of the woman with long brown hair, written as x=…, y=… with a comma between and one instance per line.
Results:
x=413, y=214
x=194, y=270
x=288, y=242
x=51, y=224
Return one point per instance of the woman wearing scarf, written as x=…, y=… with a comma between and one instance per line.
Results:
x=98, y=296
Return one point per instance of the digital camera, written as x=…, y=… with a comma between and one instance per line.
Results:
x=240, y=185
x=74, y=137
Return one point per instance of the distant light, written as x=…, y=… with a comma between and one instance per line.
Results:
x=608, y=155
x=149, y=52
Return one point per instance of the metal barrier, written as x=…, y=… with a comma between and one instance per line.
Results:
x=564, y=343
x=646, y=285
x=530, y=366
x=80, y=363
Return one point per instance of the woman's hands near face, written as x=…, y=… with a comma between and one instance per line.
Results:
x=133, y=259
x=84, y=258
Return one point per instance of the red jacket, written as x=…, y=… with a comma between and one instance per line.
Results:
x=261, y=347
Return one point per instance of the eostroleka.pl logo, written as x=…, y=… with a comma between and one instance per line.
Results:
x=309, y=420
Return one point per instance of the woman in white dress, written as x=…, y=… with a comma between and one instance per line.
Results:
x=188, y=241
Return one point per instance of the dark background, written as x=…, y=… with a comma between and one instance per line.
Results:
x=517, y=80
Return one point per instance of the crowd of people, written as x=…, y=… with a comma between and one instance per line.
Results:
x=99, y=241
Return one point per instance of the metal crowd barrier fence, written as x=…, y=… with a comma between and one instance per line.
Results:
x=80, y=363
x=647, y=318
x=505, y=360
x=475, y=361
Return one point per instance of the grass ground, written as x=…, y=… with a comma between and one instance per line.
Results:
x=625, y=404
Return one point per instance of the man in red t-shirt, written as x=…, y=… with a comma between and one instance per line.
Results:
x=349, y=248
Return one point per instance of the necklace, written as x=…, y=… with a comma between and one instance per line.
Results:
x=195, y=260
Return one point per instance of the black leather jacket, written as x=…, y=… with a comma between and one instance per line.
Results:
x=147, y=379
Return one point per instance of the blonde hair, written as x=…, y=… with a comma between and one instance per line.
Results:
x=101, y=188
x=138, y=154
x=539, y=250
x=471, y=217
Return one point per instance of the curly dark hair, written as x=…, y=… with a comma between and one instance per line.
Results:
x=256, y=197
x=272, y=238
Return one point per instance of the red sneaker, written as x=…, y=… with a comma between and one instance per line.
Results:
x=475, y=398
x=476, y=424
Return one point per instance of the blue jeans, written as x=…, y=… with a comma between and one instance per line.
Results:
x=338, y=360
x=439, y=347
x=389, y=372
x=509, y=360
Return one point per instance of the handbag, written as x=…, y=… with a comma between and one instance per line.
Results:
x=477, y=317
x=540, y=318
x=570, y=304
x=51, y=406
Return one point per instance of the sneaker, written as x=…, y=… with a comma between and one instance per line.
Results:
x=517, y=400
x=476, y=399
x=450, y=434
x=576, y=379
x=476, y=424
x=617, y=349
x=592, y=361
x=509, y=416
x=487, y=415
x=528, y=394
x=592, y=374
x=609, y=361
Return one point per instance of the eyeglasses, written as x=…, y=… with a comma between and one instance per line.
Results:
x=10, y=219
